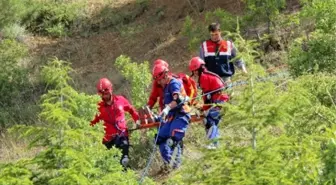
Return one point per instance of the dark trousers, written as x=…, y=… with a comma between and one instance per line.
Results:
x=120, y=142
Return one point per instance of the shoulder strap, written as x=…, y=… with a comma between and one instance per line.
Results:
x=214, y=74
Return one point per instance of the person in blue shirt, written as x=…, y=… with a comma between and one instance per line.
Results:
x=176, y=117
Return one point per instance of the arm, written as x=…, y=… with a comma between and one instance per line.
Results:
x=201, y=54
x=238, y=63
x=95, y=120
x=175, y=90
x=131, y=110
x=153, y=96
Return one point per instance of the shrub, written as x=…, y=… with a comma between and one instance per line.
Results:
x=12, y=75
x=73, y=152
x=314, y=55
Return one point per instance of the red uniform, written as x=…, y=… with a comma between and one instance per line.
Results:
x=156, y=93
x=114, y=117
x=210, y=82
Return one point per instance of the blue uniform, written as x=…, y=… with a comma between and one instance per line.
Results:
x=175, y=125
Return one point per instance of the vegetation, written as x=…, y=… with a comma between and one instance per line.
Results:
x=273, y=131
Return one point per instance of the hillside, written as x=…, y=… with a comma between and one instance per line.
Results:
x=154, y=32
x=276, y=121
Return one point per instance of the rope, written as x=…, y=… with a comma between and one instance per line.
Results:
x=151, y=157
x=242, y=82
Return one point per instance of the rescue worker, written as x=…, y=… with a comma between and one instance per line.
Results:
x=175, y=114
x=157, y=90
x=209, y=82
x=217, y=54
x=112, y=110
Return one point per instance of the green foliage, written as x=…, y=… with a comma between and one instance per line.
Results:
x=53, y=17
x=277, y=160
x=310, y=100
x=11, y=11
x=111, y=17
x=56, y=73
x=73, y=152
x=291, y=127
x=314, y=55
x=321, y=13
x=12, y=75
x=12, y=174
x=139, y=77
x=198, y=32
x=260, y=11
x=227, y=20
x=194, y=32
x=329, y=158
x=14, y=31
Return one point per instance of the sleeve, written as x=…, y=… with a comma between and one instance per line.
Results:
x=130, y=109
x=175, y=88
x=233, y=50
x=95, y=120
x=238, y=63
x=153, y=96
x=201, y=52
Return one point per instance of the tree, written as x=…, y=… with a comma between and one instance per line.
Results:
x=260, y=10
x=73, y=152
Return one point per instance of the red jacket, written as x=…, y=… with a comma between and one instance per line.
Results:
x=209, y=82
x=113, y=117
x=157, y=91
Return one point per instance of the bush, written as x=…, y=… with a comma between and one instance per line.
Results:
x=53, y=17
x=322, y=14
x=198, y=32
x=14, y=31
x=263, y=11
x=73, y=151
x=312, y=56
x=12, y=75
x=12, y=11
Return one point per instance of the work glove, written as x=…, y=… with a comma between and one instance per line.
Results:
x=208, y=96
x=186, y=99
x=165, y=111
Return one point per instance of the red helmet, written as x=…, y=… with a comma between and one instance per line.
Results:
x=159, y=71
x=161, y=62
x=195, y=63
x=104, y=85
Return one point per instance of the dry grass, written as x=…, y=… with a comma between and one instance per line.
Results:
x=12, y=149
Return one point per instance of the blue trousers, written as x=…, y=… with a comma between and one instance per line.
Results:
x=211, y=123
x=175, y=130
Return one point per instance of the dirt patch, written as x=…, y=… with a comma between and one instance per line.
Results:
x=155, y=33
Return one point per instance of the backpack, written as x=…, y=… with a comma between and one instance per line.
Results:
x=189, y=85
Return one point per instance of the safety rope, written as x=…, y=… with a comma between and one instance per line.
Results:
x=144, y=174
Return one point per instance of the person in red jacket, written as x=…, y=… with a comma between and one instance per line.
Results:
x=112, y=110
x=157, y=91
x=212, y=86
